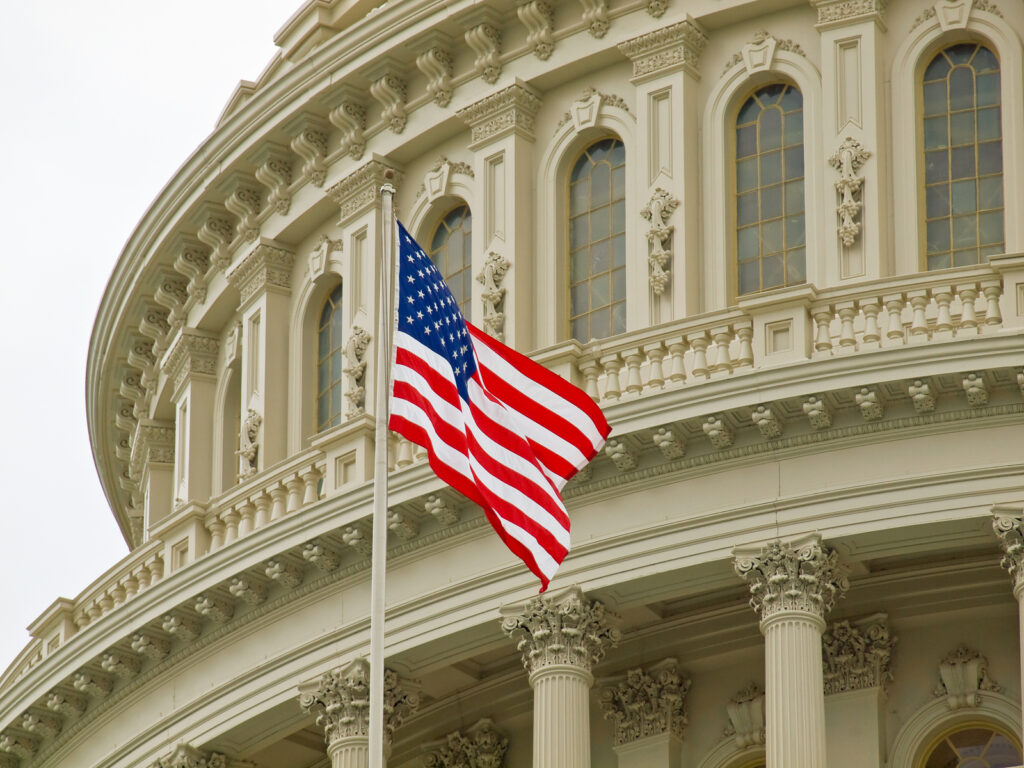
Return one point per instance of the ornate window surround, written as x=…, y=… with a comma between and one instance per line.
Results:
x=719, y=124
x=727, y=755
x=551, y=276
x=228, y=375
x=913, y=55
x=935, y=717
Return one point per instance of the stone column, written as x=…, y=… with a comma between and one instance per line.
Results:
x=649, y=712
x=561, y=636
x=793, y=585
x=340, y=699
x=1008, y=523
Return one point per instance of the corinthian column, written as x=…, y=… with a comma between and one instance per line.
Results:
x=561, y=637
x=793, y=585
x=340, y=699
x=1008, y=523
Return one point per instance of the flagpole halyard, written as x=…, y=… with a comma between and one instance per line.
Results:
x=385, y=326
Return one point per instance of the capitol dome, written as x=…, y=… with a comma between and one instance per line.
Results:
x=780, y=244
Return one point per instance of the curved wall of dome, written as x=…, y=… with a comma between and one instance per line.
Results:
x=780, y=244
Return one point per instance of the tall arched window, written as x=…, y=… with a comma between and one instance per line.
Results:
x=597, y=242
x=450, y=251
x=770, y=234
x=963, y=157
x=328, y=365
x=976, y=746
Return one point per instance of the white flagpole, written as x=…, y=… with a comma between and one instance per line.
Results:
x=380, y=478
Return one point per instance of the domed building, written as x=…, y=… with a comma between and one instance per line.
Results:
x=780, y=244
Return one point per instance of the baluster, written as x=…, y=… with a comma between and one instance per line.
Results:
x=278, y=497
x=745, y=332
x=944, y=319
x=677, y=368
x=310, y=479
x=612, y=365
x=95, y=610
x=590, y=373
x=246, y=512
x=143, y=577
x=699, y=346
x=872, y=334
x=131, y=586
x=634, y=384
x=262, y=503
x=156, y=568
x=992, y=293
x=847, y=337
x=655, y=375
x=117, y=594
x=723, y=338
x=403, y=453
x=894, y=334
x=419, y=453
x=823, y=331
x=968, y=315
x=230, y=517
x=215, y=527
x=295, y=487
x=918, y=325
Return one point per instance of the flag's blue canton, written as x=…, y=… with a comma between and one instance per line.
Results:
x=428, y=312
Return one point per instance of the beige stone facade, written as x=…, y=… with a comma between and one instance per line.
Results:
x=802, y=545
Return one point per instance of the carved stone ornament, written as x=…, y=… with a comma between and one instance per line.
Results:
x=192, y=260
x=243, y=199
x=354, y=369
x=834, y=13
x=435, y=62
x=152, y=443
x=963, y=675
x=621, y=454
x=847, y=160
x=647, y=703
x=560, y=628
x=1008, y=525
x=657, y=8
x=759, y=54
x=186, y=756
x=358, y=192
x=309, y=141
x=24, y=747
x=481, y=746
x=249, y=444
x=341, y=702
x=435, y=182
x=348, y=115
x=510, y=110
x=491, y=277
x=483, y=36
x=267, y=267
x=194, y=353
x=595, y=16
x=274, y=171
x=537, y=17
x=857, y=655
x=677, y=46
x=388, y=88
x=657, y=213
x=321, y=255
x=801, y=575
x=587, y=108
x=746, y=716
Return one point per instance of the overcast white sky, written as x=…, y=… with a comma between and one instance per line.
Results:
x=100, y=102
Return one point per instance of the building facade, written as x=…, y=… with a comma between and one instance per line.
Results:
x=779, y=243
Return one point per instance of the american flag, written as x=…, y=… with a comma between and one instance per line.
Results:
x=502, y=430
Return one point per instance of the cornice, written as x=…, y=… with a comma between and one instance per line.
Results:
x=677, y=46
x=509, y=111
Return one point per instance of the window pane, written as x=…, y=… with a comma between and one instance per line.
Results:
x=772, y=271
x=746, y=141
x=619, y=317
x=795, y=162
x=939, y=260
x=794, y=231
x=600, y=223
x=579, y=266
x=792, y=101
x=601, y=256
x=619, y=250
x=771, y=202
x=988, y=89
x=961, y=128
x=965, y=258
x=796, y=269
x=936, y=166
x=935, y=98
x=619, y=183
x=770, y=129
x=964, y=196
x=938, y=69
x=771, y=168
x=794, y=196
x=965, y=231
x=937, y=201
x=746, y=174
x=961, y=162
x=619, y=217
x=749, y=279
x=961, y=88
x=600, y=185
x=747, y=244
x=938, y=235
x=990, y=157
x=935, y=134
x=578, y=231
x=989, y=125
x=771, y=237
x=579, y=298
x=748, y=112
x=619, y=286
x=746, y=210
x=578, y=198
x=600, y=323
x=990, y=228
x=794, y=127
x=990, y=192
x=601, y=291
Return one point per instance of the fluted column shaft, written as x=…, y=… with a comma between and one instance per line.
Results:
x=561, y=716
x=350, y=753
x=794, y=689
x=1008, y=524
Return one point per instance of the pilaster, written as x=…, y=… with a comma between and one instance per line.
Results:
x=668, y=153
x=151, y=466
x=793, y=585
x=502, y=137
x=263, y=281
x=855, y=158
x=1008, y=523
x=561, y=636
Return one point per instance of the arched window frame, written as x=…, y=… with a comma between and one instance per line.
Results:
x=726, y=754
x=724, y=104
x=332, y=305
x=912, y=57
x=551, y=275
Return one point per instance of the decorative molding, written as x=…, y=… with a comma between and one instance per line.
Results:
x=435, y=181
x=510, y=110
x=152, y=443
x=719, y=433
x=193, y=353
x=402, y=525
x=857, y=655
x=818, y=413
x=537, y=17
x=800, y=575
x=348, y=115
x=657, y=8
x=309, y=141
x=171, y=293
x=248, y=590
x=274, y=171
x=243, y=199
x=358, y=192
x=24, y=747
x=388, y=88
x=483, y=36
x=324, y=558
x=586, y=109
x=657, y=212
x=192, y=260
x=216, y=231
x=70, y=704
x=621, y=454
x=975, y=389
x=595, y=16
x=836, y=13
x=41, y=724
x=560, y=628
x=354, y=353
x=647, y=703
x=439, y=508
x=482, y=746
x=435, y=62
x=491, y=277
x=671, y=444
x=955, y=14
x=249, y=444
x=215, y=608
x=267, y=267
x=921, y=396
x=321, y=255
x=745, y=711
x=869, y=401
x=847, y=160
x=187, y=756
x=677, y=46
x=1008, y=524
x=759, y=54
x=768, y=421
x=149, y=645
x=963, y=676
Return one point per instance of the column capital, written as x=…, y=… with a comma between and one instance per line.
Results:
x=646, y=703
x=1008, y=524
x=358, y=192
x=192, y=352
x=837, y=13
x=560, y=629
x=481, y=746
x=340, y=699
x=857, y=654
x=268, y=266
x=510, y=110
x=187, y=756
x=152, y=443
x=801, y=575
x=677, y=46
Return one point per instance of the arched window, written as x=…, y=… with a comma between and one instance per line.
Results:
x=770, y=234
x=963, y=157
x=976, y=746
x=451, y=254
x=597, y=242
x=328, y=364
